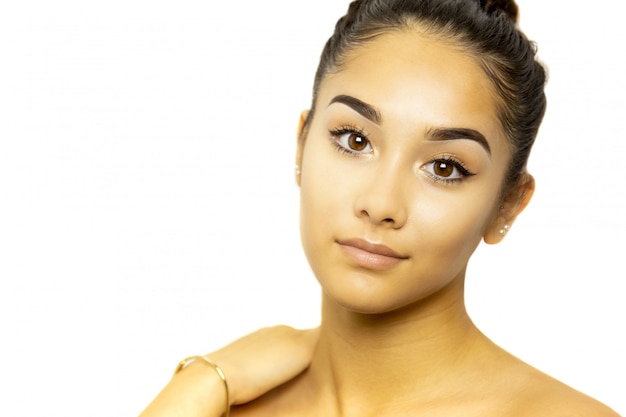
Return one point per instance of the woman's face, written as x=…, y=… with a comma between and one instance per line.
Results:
x=401, y=172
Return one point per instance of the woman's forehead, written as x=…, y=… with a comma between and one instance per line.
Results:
x=409, y=77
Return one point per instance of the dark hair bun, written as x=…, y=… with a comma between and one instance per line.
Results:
x=507, y=7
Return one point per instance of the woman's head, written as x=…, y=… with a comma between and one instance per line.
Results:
x=401, y=173
x=415, y=147
x=484, y=29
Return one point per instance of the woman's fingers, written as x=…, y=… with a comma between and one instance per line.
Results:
x=265, y=359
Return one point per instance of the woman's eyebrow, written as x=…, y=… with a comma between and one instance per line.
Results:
x=372, y=114
x=366, y=110
x=459, y=133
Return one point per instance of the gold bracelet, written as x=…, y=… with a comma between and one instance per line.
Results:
x=213, y=365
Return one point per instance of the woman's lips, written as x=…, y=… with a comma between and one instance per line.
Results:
x=370, y=255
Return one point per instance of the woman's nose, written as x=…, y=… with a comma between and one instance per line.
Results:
x=382, y=199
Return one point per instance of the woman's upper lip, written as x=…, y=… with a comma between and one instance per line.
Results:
x=375, y=248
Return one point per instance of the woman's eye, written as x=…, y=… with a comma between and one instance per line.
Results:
x=446, y=170
x=354, y=142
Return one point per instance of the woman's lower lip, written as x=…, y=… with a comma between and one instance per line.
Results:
x=369, y=260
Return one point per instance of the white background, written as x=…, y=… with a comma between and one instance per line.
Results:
x=148, y=208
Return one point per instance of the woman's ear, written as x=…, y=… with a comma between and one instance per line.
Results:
x=300, y=137
x=512, y=205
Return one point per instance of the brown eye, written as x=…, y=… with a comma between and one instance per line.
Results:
x=352, y=142
x=357, y=142
x=443, y=168
x=446, y=170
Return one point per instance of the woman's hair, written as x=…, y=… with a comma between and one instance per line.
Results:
x=486, y=29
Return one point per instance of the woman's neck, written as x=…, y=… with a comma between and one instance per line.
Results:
x=363, y=359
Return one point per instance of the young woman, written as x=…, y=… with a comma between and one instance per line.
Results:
x=414, y=150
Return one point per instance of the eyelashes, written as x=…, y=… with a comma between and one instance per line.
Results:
x=353, y=141
x=447, y=169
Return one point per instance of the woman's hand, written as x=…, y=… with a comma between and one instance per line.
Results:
x=265, y=359
x=253, y=365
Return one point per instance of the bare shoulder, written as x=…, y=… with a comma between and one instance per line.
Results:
x=543, y=396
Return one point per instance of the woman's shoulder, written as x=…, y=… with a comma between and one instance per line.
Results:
x=560, y=402
x=532, y=393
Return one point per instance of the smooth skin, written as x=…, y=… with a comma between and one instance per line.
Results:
x=395, y=338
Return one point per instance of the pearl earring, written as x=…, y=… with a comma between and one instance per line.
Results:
x=504, y=229
x=297, y=170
